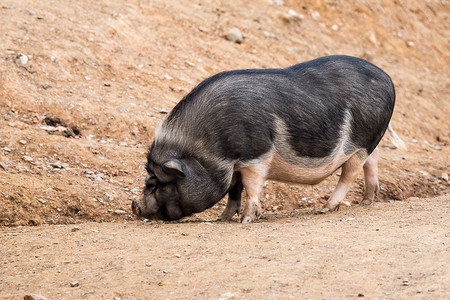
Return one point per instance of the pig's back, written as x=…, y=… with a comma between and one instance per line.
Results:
x=240, y=113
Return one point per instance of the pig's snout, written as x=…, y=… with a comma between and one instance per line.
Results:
x=146, y=207
x=136, y=209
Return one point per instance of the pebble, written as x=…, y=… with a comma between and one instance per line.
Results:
x=22, y=59
x=74, y=284
x=59, y=165
x=148, y=264
x=234, y=35
x=406, y=281
x=135, y=191
x=119, y=212
x=225, y=296
x=23, y=142
x=34, y=297
x=315, y=15
x=3, y=166
x=443, y=176
x=177, y=255
x=27, y=158
x=335, y=27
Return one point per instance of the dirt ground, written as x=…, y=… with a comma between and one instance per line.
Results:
x=83, y=84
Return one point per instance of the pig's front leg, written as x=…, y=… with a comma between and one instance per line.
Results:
x=234, y=200
x=253, y=180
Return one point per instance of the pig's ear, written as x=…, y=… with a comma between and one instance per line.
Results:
x=174, y=167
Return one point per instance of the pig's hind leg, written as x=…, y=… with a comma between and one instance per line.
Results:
x=350, y=170
x=371, y=178
x=234, y=199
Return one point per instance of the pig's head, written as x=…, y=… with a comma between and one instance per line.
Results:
x=178, y=187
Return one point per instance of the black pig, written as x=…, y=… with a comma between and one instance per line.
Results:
x=238, y=128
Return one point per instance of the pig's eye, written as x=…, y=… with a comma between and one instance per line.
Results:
x=151, y=184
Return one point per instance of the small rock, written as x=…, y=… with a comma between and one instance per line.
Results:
x=292, y=16
x=135, y=191
x=163, y=111
x=6, y=149
x=87, y=78
x=148, y=264
x=315, y=15
x=27, y=158
x=226, y=296
x=74, y=284
x=335, y=27
x=410, y=44
x=88, y=172
x=22, y=59
x=119, y=212
x=373, y=38
x=234, y=35
x=34, y=297
x=57, y=164
x=23, y=142
x=31, y=12
x=177, y=255
x=443, y=176
x=76, y=228
x=406, y=281
x=3, y=166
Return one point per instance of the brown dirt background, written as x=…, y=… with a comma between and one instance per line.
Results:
x=113, y=69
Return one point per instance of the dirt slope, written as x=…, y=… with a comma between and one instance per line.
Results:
x=104, y=74
x=113, y=69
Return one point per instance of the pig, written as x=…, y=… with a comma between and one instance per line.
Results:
x=239, y=128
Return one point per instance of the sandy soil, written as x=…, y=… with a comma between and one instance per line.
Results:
x=393, y=250
x=83, y=84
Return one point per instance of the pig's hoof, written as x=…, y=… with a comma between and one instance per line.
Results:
x=365, y=202
x=323, y=210
x=327, y=209
x=228, y=214
x=246, y=220
x=135, y=208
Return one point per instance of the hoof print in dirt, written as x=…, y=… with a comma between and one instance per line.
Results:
x=58, y=126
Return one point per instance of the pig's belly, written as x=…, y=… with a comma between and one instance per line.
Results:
x=281, y=170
